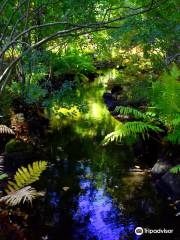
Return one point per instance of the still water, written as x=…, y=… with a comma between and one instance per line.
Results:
x=90, y=194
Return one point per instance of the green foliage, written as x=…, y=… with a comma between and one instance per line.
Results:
x=165, y=100
x=157, y=29
x=165, y=111
x=130, y=111
x=136, y=127
x=72, y=64
x=66, y=98
x=35, y=93
x=166, y=92
x=17, y=146
x=175, y=169
x=174, y=135
x=3, y=176
x=31, y=94
x=146, y=116
x=25, y=176
x=136, y=75
x=6, y=103
x=18, y=191
x=131, y=129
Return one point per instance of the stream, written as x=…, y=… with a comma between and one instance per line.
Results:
x=90, y=193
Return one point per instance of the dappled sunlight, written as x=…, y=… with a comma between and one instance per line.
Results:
x=97, y=119
x=96, y=112
x=72, y=112
x=61, y=116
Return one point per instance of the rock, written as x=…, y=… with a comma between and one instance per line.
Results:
x=135, y=170
x=137, y=167
x=18, y=153
x=169, y=184
x=109, y=101
x=160, y=168
x=66, y=188
x=147, y=206
x=116, y=92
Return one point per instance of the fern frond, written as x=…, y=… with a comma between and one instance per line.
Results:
x=140, y=127
x=19, y=117
x=176, y=120
x=147, y=116
x=130, y=129
x=1, y=164
x=5, y=130
x=26, y=194
x=165, y=94
x=115, y=136
x=173, y=138
x=3, y=175
x=175, y=169
x=130, y=111
x=174, y=135
x=25, y=176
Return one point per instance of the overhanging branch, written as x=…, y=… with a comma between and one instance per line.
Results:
x=74, y=30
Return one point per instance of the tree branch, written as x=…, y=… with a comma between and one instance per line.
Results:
x=3, y=6
x=91, y=25
x=74, y=31
x=10, y=19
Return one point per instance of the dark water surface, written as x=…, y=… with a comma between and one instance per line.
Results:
x=90, y=194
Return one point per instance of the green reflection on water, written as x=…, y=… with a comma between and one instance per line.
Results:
x=96, y=121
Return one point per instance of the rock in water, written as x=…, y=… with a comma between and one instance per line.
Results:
x=160, y=168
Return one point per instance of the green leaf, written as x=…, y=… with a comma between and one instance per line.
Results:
x=25, y=176
x=175, y=170
x=2, y=176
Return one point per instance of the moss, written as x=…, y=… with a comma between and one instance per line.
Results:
x=17, y=146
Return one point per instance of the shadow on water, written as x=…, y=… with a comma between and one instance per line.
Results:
x=90, y=194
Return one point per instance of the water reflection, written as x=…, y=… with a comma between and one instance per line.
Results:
x=96, y=120
x=90, y=194
x=97, y=216
x=54, y=199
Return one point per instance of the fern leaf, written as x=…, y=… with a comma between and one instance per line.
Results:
x=173, y=138
x=140, y=127
x=176, y=120
x=1, y=164
x=3, y=175
x=25, y=176
x=130, y=111
x=174, y=135
x=115, y=136
x=175, y=169
x=22, y=195
x=166, y=91
x=130, y=129
x=5, y=130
